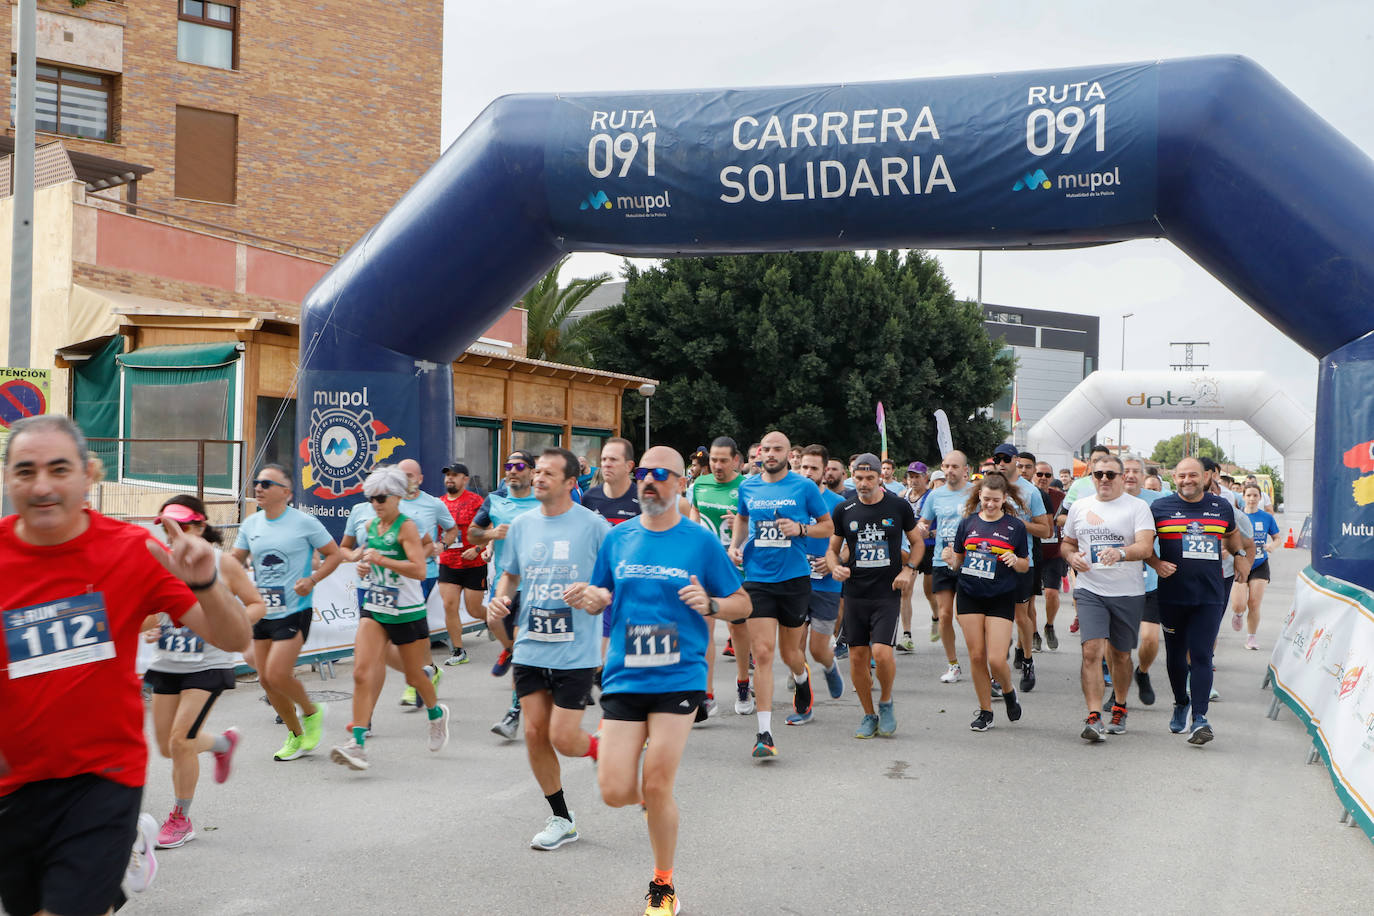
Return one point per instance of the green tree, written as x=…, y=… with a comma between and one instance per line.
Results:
x=807, y=343
x=550, y=335
x=1273, y=473
x=1169, y=452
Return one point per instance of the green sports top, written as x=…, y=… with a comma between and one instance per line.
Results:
x=387, y=595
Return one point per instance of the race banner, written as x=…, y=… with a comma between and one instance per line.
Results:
x=1321, y=668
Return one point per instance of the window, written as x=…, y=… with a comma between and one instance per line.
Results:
x=586, y=443
x=207, y=33
x=75, y=103
x=474, y=444
x=206, y=155
x=534, y=438
x=274, y=445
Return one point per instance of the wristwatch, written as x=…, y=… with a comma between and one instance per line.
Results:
x=713, y=608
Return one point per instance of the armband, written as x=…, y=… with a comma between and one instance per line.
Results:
x=202, y=586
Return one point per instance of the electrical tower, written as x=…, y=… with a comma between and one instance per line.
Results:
x=1189, y=350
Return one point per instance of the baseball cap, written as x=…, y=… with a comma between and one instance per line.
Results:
x=522, y=454
x=917, y=467
x=937, y=474
x=868, y=462
x=457, y=467
x=1006, y=449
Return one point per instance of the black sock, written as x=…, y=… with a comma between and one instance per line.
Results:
x=559, y=806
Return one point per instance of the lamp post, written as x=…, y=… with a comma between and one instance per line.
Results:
x=647, y=390
x=1120, y=421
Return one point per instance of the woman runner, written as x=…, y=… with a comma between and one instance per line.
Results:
x=1250, y=594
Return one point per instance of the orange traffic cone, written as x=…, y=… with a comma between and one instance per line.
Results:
x=1290, y=543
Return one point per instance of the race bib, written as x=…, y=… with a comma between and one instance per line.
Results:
x=180, y=644
x=768, y=534
x=1052, y=539
x=551, y=624
x=651, y=646
x=381, y=599
x=61, y=634
x=274, y=598
x=1095, y=551
x=870, y=554
x=1201, y=547
x=819, y=570
x=1260, y=552
x=980, y=565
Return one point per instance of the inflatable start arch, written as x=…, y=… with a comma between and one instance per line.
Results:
x=1211, y=153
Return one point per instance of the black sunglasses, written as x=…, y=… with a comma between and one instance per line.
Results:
x=659, y=474
x=515, y=465
x=264, y=482
x=1039, y=474
x=1003, y=459
x=1109, y=475
x=379, y=499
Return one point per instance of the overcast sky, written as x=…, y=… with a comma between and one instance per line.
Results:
x=1322, y=51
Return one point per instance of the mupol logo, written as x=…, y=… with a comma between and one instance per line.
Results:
x=1032, y=180
x=339, y=446
x=596, y=201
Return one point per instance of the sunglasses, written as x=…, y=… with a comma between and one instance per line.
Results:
x=265, y=483
x=1003, y=459
x=515, y=465
x=379, y=499
x=659, y=474
x=1106, y=475
x=1038, y=474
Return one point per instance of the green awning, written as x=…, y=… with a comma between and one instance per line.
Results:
x=184, y=356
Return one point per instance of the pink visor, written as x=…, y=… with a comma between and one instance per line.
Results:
x=179, y=513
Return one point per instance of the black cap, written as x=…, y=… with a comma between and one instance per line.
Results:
x=1007, y=449
x=523, y=455
x=868, y=462
x=457, y=467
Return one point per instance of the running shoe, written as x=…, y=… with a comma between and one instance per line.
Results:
x=1028, y=676
x=1019, y=660
x=1236, y=621
x=459, y=657
x=996, y=690
x=312, y=728
x=744, y=704
x=1117, y=726
x=935, y=629
x=1179, y=721
x=436, y=675
x=791, y=682
x=351, y=755
x=1201, y=733
x=1213, y=694
x=509, y=724
x=1035, y=642
x=1144, y=688
x=176, y=831
x=841, y=648
x=801, y=700
x=981, y=722
x=1251, y=642
x=763, y=745
x=142, y=869
x=557, y=831
x=907, y=644
x=729, y=649
x=707, y=709
x=797, y=718
x=438, y=730
x=1093, y=732
x=952, y=675
x=1073, y=627
x=366, y=734
x=868, y=727
x=662, y=900
x=224, y=760
x=291, y=749
x=410, y=698
x=887, y=720
x=1106, y=675
x=1013, y=706
x=502, y=663
x=834, y=682
x=1051, y=638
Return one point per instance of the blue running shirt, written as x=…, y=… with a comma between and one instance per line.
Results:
x=769, y=555
x=281, y=552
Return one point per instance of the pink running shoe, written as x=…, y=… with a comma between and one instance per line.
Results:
x=224, y=762
x=1236, y=621
x=176, y=831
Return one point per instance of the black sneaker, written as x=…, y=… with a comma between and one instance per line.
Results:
x=982, y=722
x=1144, y=688
x=1028, y=676
x=1051, y=639
x=1035, y=642
x=1013, y=706
x=996, y=690
x=1019, y=660
x=801, y=700
x=662, y=899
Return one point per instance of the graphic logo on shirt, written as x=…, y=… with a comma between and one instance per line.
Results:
x=344, y=443
x=627, y=570
x=539, y=552
x=271, y=568
x=853, y=526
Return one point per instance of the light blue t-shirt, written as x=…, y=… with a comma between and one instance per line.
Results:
x=895, y=488
x=944, y=507
x=424, y=510
x=1151, y=577
x=658, y=643
x=281, y=550
x=549, y=553
x=816, y=547
x=1031, y=496
x=501, y=509
x=1264, y=525
x=769, y=555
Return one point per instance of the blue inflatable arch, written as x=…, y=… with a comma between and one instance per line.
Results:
x=1211, y=153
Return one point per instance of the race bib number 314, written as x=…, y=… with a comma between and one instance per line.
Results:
x=60, y=634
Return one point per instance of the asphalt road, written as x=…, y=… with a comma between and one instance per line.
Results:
x=936, y=819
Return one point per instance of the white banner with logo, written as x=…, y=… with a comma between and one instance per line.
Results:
x=1321, y=667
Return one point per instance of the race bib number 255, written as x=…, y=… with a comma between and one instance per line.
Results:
x=60, y=634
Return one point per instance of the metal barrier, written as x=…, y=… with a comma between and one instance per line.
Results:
x=140, y=474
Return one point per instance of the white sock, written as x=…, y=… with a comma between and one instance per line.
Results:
x=765, y=722
x=830, y=667
x=800, y=678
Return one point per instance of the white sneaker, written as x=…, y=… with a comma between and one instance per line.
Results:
x=438, y=730
x=142, y=863
x=555, y=833
x=350, y=755
x=952, y=675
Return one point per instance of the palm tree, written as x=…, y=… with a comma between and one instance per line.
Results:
x=550, y=335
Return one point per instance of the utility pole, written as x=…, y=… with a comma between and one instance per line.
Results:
x=21, y=248
x=1190, y=350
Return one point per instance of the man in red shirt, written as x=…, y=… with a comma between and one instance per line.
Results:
x=462, y=572
x=75, y=588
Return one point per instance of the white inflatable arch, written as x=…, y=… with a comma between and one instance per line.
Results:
x=1253, y=397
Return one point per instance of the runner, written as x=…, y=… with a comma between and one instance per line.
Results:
x=874, y=577
x=1037, y=523
x=890, y=481
x=393, y=569
x=987, y=553
x=941, y=515
x=661, y=577
x=1192, y=525
x=1052, y=567
x=556, y=649
x=715, y=498
x=1251, y=591
x=616, y=499
x=436, y=526
x=775, y=512
x=833, y=482
x=823, y=610
x=916, y=491
x=1106, y=540
x=187, y=676
x=73, y=756
x=462, y=574
x=282, y=543
x=1133, y=473
x=489, y=527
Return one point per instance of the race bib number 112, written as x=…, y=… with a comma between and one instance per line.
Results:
x=61, y=634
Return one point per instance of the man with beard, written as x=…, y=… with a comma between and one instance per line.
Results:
x=714, y=501
x=462, y=574
x=833, y=482
x=823, y=611
x=775, y=512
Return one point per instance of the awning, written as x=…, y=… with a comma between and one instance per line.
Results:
x=184, y=356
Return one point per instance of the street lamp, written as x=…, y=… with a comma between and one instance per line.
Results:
x=647, y=390
x=1120, y=421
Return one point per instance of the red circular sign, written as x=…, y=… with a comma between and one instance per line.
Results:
x=19, y=399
